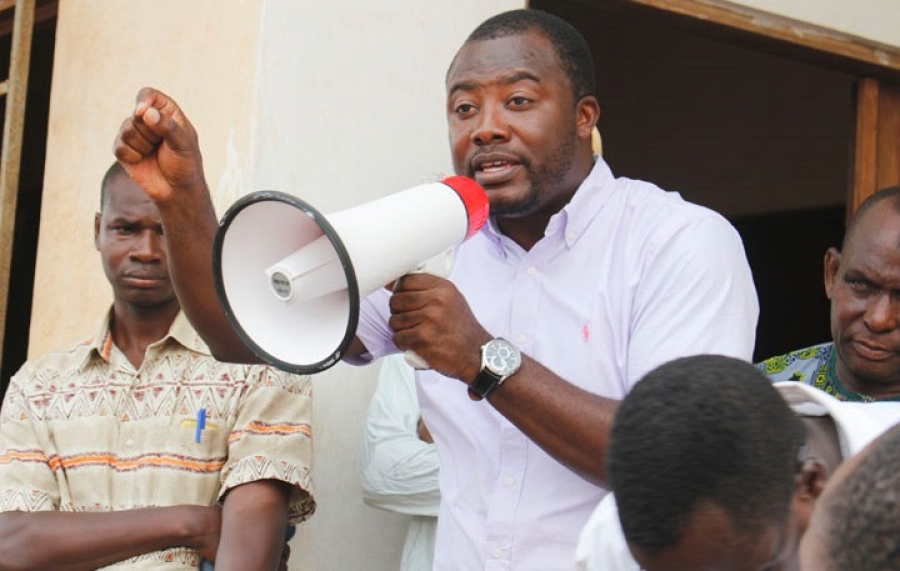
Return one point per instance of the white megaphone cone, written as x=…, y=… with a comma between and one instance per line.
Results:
x=290, y=279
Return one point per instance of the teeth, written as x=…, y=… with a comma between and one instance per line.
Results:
x=493, y=166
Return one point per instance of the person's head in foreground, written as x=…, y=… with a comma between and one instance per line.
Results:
x=706, y=461
x=856, y=523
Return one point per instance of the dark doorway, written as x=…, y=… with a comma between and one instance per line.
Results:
x=28, y=207
x=763, y=138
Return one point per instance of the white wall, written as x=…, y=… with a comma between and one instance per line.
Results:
x=351, y=107
x=875, y=20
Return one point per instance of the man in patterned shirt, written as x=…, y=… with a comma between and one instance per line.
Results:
x=137, y=449
x=862, y=280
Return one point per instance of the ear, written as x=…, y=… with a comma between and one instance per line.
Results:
x=809, y=482
x=832, y=265
x=96, y=230
x=811, y=478
x=587, y=113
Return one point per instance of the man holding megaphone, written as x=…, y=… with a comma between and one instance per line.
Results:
x=579, y=284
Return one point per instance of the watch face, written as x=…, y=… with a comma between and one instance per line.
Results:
x=501, y=357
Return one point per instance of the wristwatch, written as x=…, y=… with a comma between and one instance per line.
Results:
x=500, y=359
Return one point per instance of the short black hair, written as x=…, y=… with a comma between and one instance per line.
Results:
x=706, y=427
x=570, y=46
x=114, y=171
x=862, y=512
x=891, y=193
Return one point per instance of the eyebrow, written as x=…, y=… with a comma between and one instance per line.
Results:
x=514, y=77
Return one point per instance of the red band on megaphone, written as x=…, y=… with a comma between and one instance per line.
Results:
x=475, y=200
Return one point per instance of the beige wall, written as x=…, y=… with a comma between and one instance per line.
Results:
x=875, y=20
x=105, y=52
x=338, y=102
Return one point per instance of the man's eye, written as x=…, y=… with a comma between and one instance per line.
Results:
x=861, y=286
x=519, y=101
x=464, y=109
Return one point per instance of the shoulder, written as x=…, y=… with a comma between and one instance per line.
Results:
x=29, y=389
x=648, y=201
x=657, y=220
x=267, y=377
x=797, y=359
x=55, y=363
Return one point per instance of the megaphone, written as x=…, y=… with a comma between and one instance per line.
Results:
x=290, y=280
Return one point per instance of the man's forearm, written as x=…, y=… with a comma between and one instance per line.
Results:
x=189, y=222
x=254, y=517
x=570, y=424
x=67, y=541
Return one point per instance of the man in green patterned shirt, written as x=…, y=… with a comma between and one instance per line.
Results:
x=862, y=280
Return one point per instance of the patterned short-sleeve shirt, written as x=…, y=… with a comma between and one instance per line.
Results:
x=83, y=430
x=814, y=366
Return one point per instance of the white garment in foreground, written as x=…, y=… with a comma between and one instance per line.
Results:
x=626, y=277
x=399, y=470
x=602, y=545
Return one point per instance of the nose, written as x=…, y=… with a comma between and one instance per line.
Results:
x=491, y=128
x=883, y=313
x=148, y=247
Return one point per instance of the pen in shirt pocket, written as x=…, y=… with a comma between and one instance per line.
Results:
x=200, y=424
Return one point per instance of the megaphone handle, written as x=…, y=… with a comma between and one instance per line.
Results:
x=440, y=266
x=410, y=356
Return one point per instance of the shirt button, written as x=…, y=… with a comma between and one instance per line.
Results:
x=522, y=339
x=509, y=481
x=570, y=236
x=498, y=553
x=531, y=271
x=129, y=443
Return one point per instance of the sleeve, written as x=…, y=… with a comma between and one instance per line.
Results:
x=272, y=437
x=27, y=478
x=696, y=295
x=399, y=470
x=373, y=329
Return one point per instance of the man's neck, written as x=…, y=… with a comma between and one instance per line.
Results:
x=867, y=391
x=135, y=329
x=528, y=230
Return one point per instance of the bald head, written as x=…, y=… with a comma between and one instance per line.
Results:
x=888, y=198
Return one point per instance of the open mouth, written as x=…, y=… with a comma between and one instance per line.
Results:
x=494, y=171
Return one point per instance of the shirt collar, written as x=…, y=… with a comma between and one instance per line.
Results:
x=574, y=218
x=592, y=195
x=181, y=332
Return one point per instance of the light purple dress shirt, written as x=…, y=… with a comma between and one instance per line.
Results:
x=626, y=277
